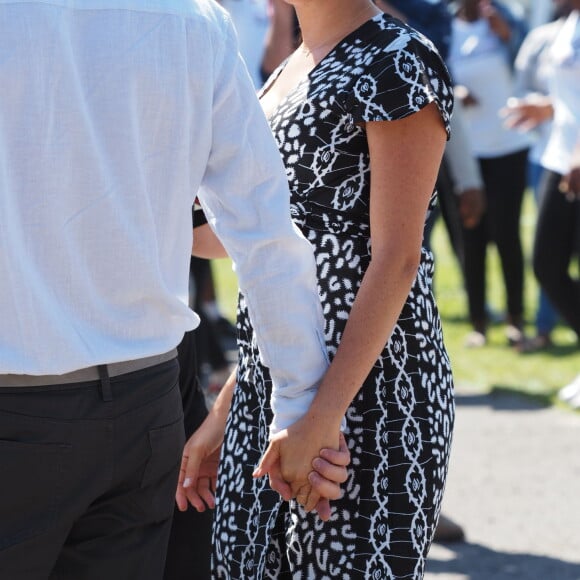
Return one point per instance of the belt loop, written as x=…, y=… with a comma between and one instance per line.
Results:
x=106, y=392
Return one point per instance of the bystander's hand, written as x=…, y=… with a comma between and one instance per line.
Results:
x=497, y=23
x=467, y=98
x=570, y=184
x=527, y=113
x=471, y=207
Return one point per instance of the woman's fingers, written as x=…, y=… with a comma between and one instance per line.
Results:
x=323, y=509
x=180, y=495
x=312, y=500
x=340, y=457
x=195, y=499
x=324, y=487
x=205, y=493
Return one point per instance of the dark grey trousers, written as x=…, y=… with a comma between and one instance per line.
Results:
x=87, y=484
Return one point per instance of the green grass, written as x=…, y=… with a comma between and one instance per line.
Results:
x=495, y=366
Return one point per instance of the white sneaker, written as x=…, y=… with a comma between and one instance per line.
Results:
x=571, y=393
x=575, y=401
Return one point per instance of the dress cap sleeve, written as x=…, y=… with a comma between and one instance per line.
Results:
x=402, y=74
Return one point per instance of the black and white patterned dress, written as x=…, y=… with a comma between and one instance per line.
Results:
x=400, y=424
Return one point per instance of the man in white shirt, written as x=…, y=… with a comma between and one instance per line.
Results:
x=114, y=114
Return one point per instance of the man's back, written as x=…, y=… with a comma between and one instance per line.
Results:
x=105, y=131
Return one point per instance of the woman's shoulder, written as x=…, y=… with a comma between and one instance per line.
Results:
x=393, y=71
x=384, y=35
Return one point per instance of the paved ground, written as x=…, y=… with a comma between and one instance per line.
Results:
x=514, y=484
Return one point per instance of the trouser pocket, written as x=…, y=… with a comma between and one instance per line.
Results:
x=162, y=468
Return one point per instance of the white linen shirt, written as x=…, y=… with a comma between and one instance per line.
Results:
x=114, y=114
x=478, y=61
x=564, y=89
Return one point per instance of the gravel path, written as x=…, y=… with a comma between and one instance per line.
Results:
x=514, y=484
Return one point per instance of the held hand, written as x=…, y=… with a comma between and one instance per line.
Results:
x=289, y=457
x=287, y=468
x=199, y=466
x=329, y=471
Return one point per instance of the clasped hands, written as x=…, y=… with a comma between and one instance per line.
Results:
x=303, y=463
x=308, y=463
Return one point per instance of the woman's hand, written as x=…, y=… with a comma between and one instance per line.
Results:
x=199, y=463
x=329, y=472
x=199, y=466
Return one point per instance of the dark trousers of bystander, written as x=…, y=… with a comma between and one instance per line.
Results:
x=556, y=242
x=189, y=552
x=89, y=476
x=505, y=183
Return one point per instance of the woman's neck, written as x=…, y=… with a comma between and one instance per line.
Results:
x=324, y=23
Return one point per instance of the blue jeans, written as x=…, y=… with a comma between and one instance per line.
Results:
x=546, y=314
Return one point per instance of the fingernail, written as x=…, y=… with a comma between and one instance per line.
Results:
x=187, y=482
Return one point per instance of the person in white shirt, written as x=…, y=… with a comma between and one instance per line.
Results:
x=483, y=36
x=113, y=116
x=557, y=240
x=533, y=69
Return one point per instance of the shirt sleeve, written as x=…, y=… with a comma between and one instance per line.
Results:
x=404, y=75
x=246, y=199
x=460, y=159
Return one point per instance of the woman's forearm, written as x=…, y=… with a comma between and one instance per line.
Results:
x=373, y=317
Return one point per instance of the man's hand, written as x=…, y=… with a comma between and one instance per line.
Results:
x=289, y=460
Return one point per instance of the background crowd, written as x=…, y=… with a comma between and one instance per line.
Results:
x=504, y=62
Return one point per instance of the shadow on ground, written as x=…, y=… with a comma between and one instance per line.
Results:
x=478, y=562
x=502, y=398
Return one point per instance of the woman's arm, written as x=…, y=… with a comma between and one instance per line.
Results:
x=404, y=160
x=199, y=464
x=206, y=244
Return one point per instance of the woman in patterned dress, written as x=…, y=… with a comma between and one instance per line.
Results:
x=360, y=113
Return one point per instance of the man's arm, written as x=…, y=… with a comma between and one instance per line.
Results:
x=246, y=199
